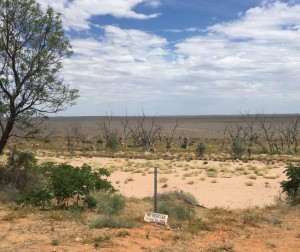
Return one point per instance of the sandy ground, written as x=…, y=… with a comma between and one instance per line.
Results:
x=215, y=184
x=37, y=230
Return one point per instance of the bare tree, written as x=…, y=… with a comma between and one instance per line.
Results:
x=81, y=135
x=69, y=139
x=169, y=138
x=288, y=132
x=146, y=132
x=126, y=130
x=251, y=134
x=268, y=128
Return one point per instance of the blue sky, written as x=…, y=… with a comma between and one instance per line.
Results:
x=182, y=57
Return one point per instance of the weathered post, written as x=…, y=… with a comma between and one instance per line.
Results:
x=155, y=189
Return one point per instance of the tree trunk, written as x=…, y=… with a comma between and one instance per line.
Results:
x=6, y=133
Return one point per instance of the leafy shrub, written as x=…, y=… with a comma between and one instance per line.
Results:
x=176, y=211
x=67, y=181
x=201, y=149
x=292, y=186
x=36, y=196
x=185, y=197
x=21, y=170
x=110, y=204
x=90, y=201
x=112, y=141
x=238, y=148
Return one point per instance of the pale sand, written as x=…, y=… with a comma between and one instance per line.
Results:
x=226, y=192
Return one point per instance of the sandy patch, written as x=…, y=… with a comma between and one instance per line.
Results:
x=215, y=184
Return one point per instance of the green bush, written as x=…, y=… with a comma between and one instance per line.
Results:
x=238, y=148
x=176, y=211
x=90, y=201
x=67, y=181
x=180, y=195
x=292, y=186
x=36, y=196
x=108, y=203
x=20, y=171
x=201, y=149
x=112, y=141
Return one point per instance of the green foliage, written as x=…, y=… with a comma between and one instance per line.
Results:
x=238, y=148
x=112, y=141
x=90, y=201
x=176, y=211
x=21, y=170
x=67, y=181
x=201, y=148
x=36, y=196
x=184, y=143
x=180, y=195
x=292, y=186
x=108, y=203
x=32, y=45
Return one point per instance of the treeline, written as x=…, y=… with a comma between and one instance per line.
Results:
x=245, y=134
x=263, y=134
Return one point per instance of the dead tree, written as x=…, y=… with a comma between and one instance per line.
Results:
x=146, y=132
x=251, y=134
x=288, y=131
x=169, y=138
x=69, y=139
x=126, y=130
x=81, y=135
x=268, y=131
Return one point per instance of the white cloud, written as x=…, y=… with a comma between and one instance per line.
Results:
x=153, y=3
x=256, y=55
x=252, y=61
x=76, y=13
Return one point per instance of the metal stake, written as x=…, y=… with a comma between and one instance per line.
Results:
x=155, y=189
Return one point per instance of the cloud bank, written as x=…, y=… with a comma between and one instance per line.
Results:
x=251, y=63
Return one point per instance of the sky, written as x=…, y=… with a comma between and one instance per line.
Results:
x=182, y=57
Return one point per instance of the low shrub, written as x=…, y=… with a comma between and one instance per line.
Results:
x=176, y=211
x=292, y=186
x=36, y=196
x=21, y=170
x=180, y=195
x=109, y=203
x=195, y=226
x=106, y=221
x=201, y=148
x=90, y=201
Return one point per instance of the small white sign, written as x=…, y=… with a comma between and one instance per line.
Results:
x=156, y=217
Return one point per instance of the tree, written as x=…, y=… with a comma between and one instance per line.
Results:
x=32, y=47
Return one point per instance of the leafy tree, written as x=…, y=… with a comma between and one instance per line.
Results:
x=292, y=185
x=32, y=47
